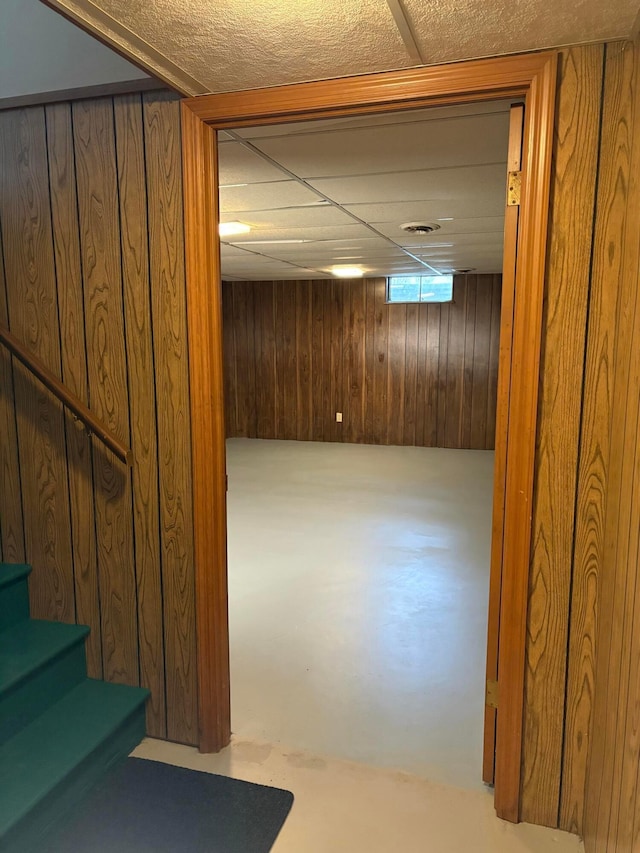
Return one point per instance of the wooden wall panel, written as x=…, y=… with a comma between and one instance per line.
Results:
x=11, y=521
x=97, y=184
x=91, y=201
x=33, y=317
x=66, y=242
x=400, y=374
x=142, y=404
x=564, y=334
x=166, y=249
x=612, y=806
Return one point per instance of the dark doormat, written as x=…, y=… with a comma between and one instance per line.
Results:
x=148, y=806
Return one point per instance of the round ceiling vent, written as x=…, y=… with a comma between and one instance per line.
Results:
x=465, y=270
x=419, y=227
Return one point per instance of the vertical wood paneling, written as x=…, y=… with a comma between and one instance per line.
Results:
x=494, y=348
x=106, y=358
x=142, y=403
x=612, y=803
x=66, y=242
x=166, y=249
x=337, y=346
x=304, y=361
x=11, y=521
x=33, y=317
x=409, y=404
x=564, y=332
x=86, y=190
x=356, y=354
x=380, y=367
x=319, y=407
x=468, y=361
x=396, y=349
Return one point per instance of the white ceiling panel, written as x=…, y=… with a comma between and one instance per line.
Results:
x=368, y=151
x=456, y=228
x=353, y=232
x=435, y=185
x=266, y=196
x=238, y=164
x=293, y=217
x=373, y=121
x=425, y=210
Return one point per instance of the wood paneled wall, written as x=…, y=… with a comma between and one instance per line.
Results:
x=92, y=281
x=609, y=521
x=297, y=352
x=582, y=748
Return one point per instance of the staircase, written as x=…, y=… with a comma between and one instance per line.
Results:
x=60, y=731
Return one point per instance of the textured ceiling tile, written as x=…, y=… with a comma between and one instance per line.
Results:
x=232, y=44
x=448, y=31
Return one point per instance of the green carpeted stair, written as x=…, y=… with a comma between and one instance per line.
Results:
x=59, y=730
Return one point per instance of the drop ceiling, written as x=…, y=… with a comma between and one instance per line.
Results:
x=335, y=193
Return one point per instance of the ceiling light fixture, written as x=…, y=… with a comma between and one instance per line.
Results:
x=267, y=242
x=347, y=272
x=227, y=229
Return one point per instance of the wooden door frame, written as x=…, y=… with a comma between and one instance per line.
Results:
x=529, y=76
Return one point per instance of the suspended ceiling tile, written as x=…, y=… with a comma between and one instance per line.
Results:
x=373, y=121
x=238, y=164
x=436, y=184
x=477, y=225
x=239, y=45
x=430, y=210
x=446, y=31
x=328, y=232
x=422, y=145
x=294, y=217
x=267, y=196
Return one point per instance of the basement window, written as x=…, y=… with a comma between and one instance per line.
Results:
x=420, y=288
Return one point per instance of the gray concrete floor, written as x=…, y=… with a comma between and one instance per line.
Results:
x=358, y=584
x=358, y=602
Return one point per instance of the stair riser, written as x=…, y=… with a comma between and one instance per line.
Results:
x=43, y=688
x=14, y=604
x=29, y=835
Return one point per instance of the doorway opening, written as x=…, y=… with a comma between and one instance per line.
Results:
x=359, y=564
x=531, y=78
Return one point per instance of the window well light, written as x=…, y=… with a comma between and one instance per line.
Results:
x=347, y=272
x=228, y=229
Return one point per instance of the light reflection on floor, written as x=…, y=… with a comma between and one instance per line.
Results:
x=358, y=601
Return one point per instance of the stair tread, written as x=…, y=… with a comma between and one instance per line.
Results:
x=45, y=753
x=30, y=645
x=11, y=572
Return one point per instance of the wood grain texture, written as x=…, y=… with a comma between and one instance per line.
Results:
x=97, y=189
x=612, y=806
x=167, y=273
x=204, y=313
x=11, y=520
x=142, y=403
x=97, y=333
x=564, y=333
x=66, y=243
x=33, y=318
x=321, y=347
x=504, y=371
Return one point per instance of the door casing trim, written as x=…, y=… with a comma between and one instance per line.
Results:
x=529, y=76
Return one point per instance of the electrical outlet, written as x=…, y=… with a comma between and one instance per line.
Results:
x=338, y=417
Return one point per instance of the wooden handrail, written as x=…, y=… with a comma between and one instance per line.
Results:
x=73, y=403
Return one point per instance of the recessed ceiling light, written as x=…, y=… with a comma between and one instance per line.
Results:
x=347, y=272
x=227, y=229
x=267, y=242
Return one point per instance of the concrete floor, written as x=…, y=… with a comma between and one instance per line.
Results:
x=358, y=595
x=342, y=807
x=358, y=585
